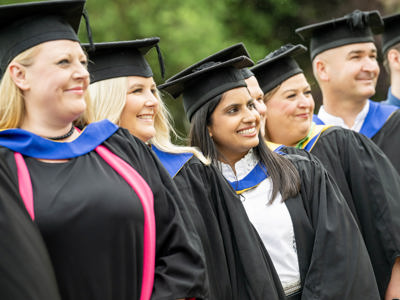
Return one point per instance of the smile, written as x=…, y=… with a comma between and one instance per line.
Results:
x=248, y=131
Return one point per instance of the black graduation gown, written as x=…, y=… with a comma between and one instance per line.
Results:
x=333, y=260
x=25, y=268
x=179, y=266
x=388, y=139
x=382, y=126
x=371, y=187
x=238, y=266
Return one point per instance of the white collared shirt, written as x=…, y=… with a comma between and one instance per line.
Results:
x=329, y=119
x=272, y=221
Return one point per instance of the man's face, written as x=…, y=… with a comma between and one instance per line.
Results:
x=353, y=70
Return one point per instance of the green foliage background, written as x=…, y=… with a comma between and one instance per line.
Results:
x=193, y=29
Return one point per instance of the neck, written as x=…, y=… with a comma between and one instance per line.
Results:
x=231, y=160
x=395, y=85
x=50, y=130
x=345, y=108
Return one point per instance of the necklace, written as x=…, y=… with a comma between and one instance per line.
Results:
x=61, y=137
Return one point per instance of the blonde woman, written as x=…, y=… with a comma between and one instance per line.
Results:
x=124, y=91
x=103, y=205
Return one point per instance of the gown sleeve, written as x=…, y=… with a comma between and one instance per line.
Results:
x=25, y=268
x=371, y=186
x=179, y=264
x=238, y=266
x=388, y=139
x=338, y=265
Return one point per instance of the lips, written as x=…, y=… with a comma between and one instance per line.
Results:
x=248, y=131
x=146, y=117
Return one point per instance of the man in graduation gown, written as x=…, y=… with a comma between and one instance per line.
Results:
x=345, y=65
x=391, y=56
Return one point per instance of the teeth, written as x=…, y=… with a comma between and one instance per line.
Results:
x=149, y=117
x=247, y=131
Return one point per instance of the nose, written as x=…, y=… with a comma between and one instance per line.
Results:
x=305, y=101
x=371, y=65
x=251, y=116
x=81, y=72
x=152, y=100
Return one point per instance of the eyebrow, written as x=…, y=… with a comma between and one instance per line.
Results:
x=362, y=51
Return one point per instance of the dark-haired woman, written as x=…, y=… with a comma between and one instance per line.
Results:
x=302, y=218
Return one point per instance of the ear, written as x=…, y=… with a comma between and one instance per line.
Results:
x=18, y=75
x=209, y=131
x=394, y=59
x=321, y=69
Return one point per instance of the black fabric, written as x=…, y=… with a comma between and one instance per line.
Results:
x=119, y=59
x=278, y=66
x=238, y=266
x=388, y=139
x=95, y=246
x=201, y=83
x=356, y=27
x=25, y=25
x=391, y=32
x=179, y=258
x=25, y=267
x=371, y=187
x=333, y=259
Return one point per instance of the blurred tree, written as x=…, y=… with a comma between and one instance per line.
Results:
x=193, y=29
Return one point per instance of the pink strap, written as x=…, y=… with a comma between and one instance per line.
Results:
x=145, y=194
x=25, y=189
x=141, y=188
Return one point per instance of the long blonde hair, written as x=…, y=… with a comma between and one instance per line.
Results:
x=108, y=101
x=12, y=105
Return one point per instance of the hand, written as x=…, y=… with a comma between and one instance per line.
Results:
x=393, y=289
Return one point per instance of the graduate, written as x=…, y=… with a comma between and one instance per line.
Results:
x=123, y=90
x=344, y=59
x=363, y=173
x=391, y=56
x=298, y=211
x=104, y=206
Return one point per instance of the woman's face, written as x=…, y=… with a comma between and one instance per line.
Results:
x=140, y=108
x=235, y=124
x=289, y=111
x=258, y=95
x=56, y=82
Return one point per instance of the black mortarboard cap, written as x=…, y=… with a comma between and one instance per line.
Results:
x=278, y=66
x=391, y=33
x=25, y=25
x=200, y=83
x=356, y=27
x=119, y=59
x=226, y=54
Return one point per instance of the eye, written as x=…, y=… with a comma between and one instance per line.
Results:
x=136, y=91
x=252, y=105
x=63, y=62
x=291, y=96
x=154, y=91
x=84, y=63
x=307, y=93
x=232, y=110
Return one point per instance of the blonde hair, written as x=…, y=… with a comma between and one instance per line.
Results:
x=12, y=106
x=108, y=101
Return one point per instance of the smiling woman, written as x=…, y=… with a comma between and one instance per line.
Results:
x=102, y=219
x=298, y=212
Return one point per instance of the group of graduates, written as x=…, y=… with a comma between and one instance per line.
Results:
x=267, y=200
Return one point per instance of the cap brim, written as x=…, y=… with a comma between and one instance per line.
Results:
x=176, y=87
x=226, y=54
x=294, y=51
x=142, y=45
